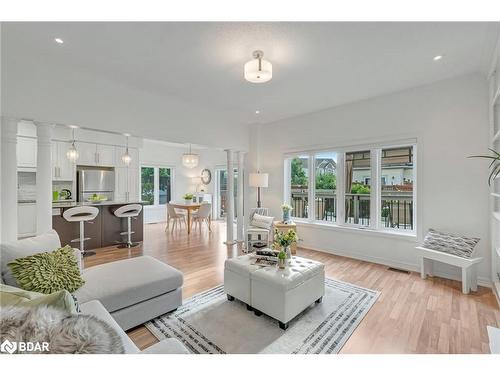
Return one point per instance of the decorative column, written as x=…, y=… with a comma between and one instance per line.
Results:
x=239, y=196
x=9, y=179
x=230, y=198
x=43, y=178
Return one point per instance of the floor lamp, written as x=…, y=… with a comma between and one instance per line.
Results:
x=258, y=180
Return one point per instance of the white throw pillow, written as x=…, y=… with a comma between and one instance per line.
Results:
x=261, y=221
x=29, y=246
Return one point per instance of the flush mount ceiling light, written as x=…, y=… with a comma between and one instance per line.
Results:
x=72, y=153
x=59, y=40
x=190, y=160
x=258, y=70
x=257, y=112
x=126, y=158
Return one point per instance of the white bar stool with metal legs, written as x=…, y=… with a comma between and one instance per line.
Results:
x=81, y=214
x=129, y=211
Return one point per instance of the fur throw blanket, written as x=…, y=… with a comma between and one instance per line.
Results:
x=65, y=333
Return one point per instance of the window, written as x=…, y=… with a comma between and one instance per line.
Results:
x=147, y=185
x=372, y=187
x=325, y=186
x=156, y=185
x=299, y=186
x=222, y=193
x=397, y=188
x=357, y=188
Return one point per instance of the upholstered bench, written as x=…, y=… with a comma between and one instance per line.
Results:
x=279, y=293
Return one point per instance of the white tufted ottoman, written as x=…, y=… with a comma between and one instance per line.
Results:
x=281, y=294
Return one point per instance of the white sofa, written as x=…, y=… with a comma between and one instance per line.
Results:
x=125, y=293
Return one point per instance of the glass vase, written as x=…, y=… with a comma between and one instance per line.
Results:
x=286, y=216
x=288, y=252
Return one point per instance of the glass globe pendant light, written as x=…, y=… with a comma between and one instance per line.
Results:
x=190, y=160
x=72, y=153
x=126, y=158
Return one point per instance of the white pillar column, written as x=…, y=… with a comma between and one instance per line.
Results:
x=230, y=198
x=239, y=196
x=9, y=179
x=43, y=178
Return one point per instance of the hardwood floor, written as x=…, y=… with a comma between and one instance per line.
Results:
x=411, y=315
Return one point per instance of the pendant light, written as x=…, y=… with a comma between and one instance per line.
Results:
x=258, y=70
x=126, y=158
x=72, y=153
x=190, y=160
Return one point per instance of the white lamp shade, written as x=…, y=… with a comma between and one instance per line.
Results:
x=258, y=74
x=258, y=179
x=190, y=160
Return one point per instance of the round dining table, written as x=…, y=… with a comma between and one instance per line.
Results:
x=188, y=207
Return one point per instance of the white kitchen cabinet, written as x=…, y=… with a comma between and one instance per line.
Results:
x=126, y=184
x=134, y=154
x=87, y=153
x=63, y=169
x=26, y=219
x=26, y=152
x=105, y=155
x=95, y=154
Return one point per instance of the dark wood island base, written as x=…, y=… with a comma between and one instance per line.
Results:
x=103, y=231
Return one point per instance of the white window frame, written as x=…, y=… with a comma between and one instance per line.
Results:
x=156, y=183
x=375, y=186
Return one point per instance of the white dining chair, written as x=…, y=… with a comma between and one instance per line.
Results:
x=175, y=216
x=203, y=215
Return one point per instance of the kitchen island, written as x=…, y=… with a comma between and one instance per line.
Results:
x=103, y=231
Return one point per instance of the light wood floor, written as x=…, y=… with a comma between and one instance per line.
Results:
x=411, y=315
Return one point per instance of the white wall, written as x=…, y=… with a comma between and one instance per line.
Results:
x=450, y=121
x=157, y=153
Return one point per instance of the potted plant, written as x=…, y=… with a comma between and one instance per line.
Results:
x=494, y=165
x=188, y=198
x=285, y=240
x=286, y=208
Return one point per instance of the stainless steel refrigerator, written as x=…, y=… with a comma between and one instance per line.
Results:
x=100, y=181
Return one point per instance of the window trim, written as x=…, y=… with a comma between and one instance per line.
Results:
x=375, y=193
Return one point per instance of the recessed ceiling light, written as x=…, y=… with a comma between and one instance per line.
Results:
x=438, y=57
x=257, y=112
x=59, y=40
x=73, y=126
x=126, y=134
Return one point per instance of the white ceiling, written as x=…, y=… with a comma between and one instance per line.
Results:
x=315, y=65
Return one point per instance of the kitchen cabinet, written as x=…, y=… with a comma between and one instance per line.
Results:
x=63, y=169
x=26, y=219
x=26, y=152
x=127, y=184
x=95, y=154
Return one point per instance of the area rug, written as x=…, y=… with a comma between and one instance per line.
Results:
x=208, y=323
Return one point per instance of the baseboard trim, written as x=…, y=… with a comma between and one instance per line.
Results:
x=401, y=265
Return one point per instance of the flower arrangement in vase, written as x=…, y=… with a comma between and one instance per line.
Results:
x=284, y=240
x=286, y=209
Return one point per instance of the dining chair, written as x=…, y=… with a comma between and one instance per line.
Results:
x=203, y=215
x=176, y=217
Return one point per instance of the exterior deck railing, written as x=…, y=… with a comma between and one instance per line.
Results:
x=397, y=207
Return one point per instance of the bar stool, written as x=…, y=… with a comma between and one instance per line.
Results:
x=129, y=211
x=81, y=214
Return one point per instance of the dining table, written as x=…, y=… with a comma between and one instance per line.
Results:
x=189, y=207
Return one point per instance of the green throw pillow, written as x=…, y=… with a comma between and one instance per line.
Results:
x=48, y=272
x=12, y=296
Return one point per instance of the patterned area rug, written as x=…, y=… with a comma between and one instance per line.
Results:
x=209, y=323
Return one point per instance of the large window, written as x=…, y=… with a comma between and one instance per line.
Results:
x=397, y=188
x=325, y=186
x=299, y=186
x=357, y=187
x=156, y=185
x=372, y=187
